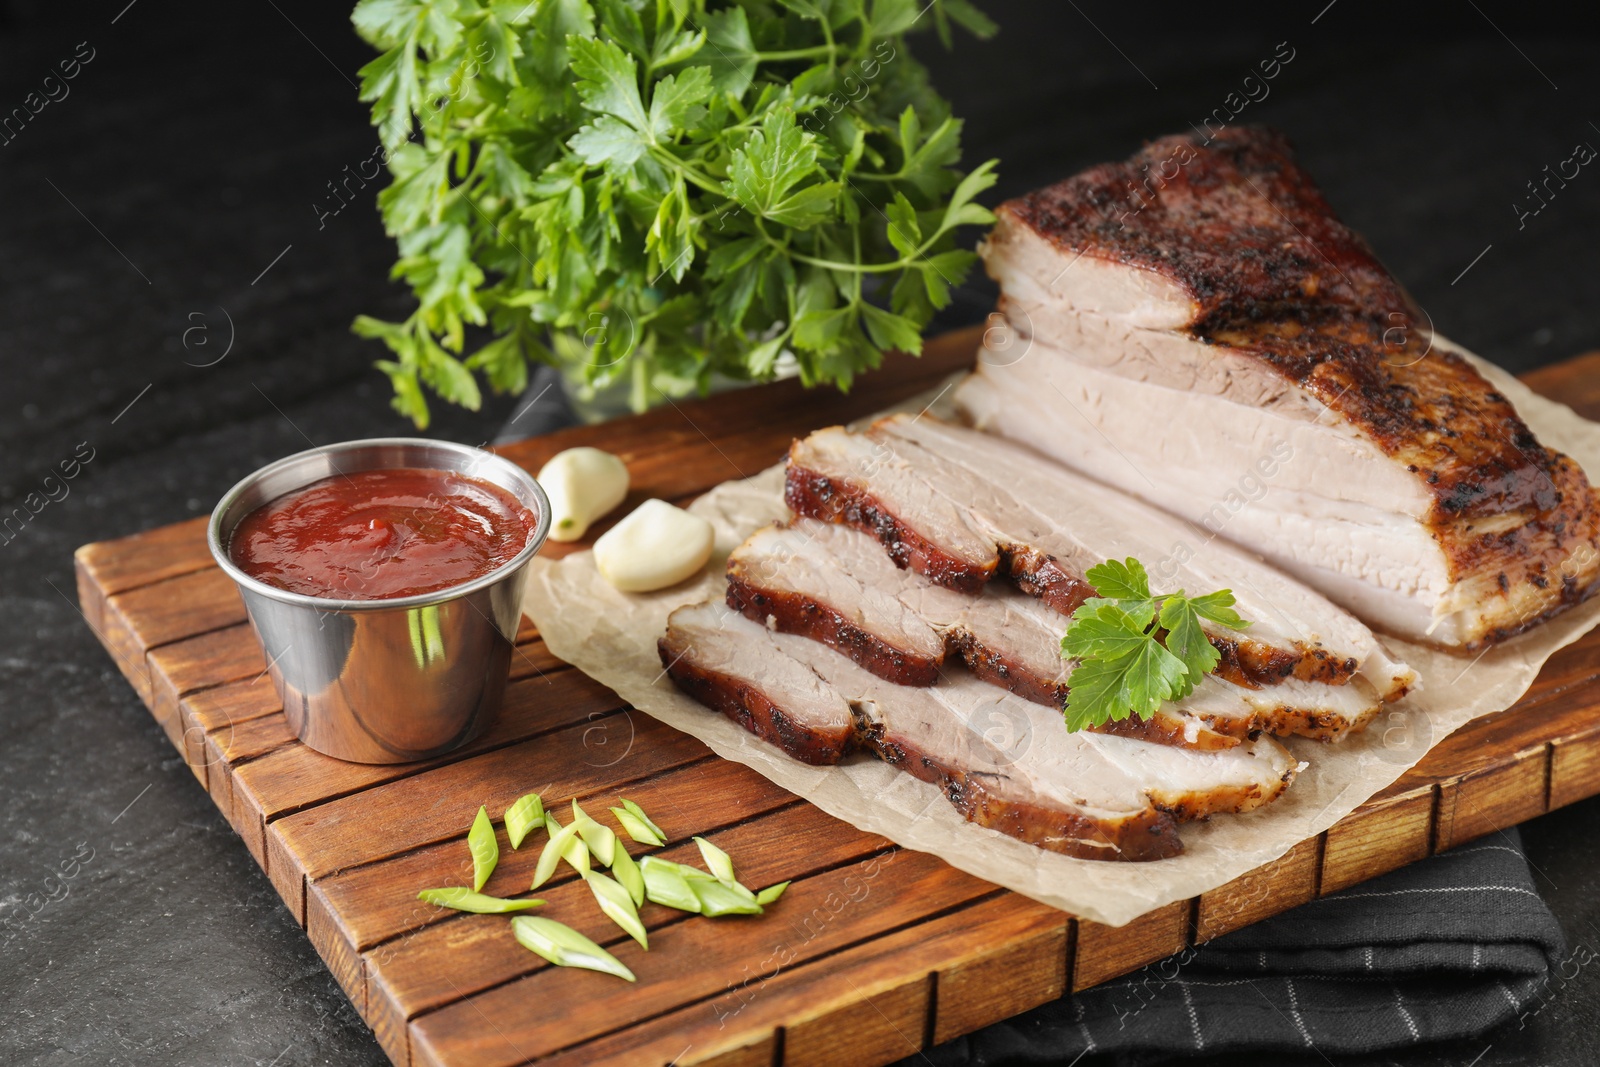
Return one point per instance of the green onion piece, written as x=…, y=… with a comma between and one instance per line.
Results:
x=638, y=813
x=771, y=893
x=618, y=905
x=564, y=946
x=463, y=899
x=601, y=841
x=560, y=838
x=576, y=853
x=719, y=898
x=664, y=883
x=624, y=870
x=720, y=862
x=637, y=828
x=523, y=817
x=485, y=851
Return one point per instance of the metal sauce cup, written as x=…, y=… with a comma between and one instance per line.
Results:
x=396, y=680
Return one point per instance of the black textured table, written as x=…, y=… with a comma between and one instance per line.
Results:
x=162, y=212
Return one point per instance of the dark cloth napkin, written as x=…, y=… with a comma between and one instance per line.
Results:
x=1444, y=948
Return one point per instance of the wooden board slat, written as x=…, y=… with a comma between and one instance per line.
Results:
x=874, y=954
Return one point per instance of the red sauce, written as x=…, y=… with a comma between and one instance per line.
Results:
x=381, y=534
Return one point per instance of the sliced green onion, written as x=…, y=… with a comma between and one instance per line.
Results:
x=485, y=850
x=618, y=905
x=554, y=849
x=463, y=899
x=636, y=827
x=524, y=817
x=624, y=870
x=576, y=853
x=771, y=893
x=719, y=898
x=564, y=946
x=664, y=883
x=639, y=814
x=720, y=862
x=601, y=841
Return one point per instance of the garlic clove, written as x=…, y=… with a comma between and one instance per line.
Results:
x=582, y=484
x=655, y=546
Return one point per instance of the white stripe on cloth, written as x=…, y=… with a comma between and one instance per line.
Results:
x=1294, y=1008
x=1482, y=848
x=1510, y=998
x=1088, y=1038
x=1444, y=889
x=1399, y=1002
x=1194, y=1019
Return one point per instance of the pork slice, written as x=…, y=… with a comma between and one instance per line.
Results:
x=741, y=672
x=1185, y=231
x=1081, y=803
x=1014, y=641
x=1003, y=762
x=843, y=477
x=1186, y=784
x=1314, y=498
x=1295, y=632
x=1028, y=751
x=1239, y=481
x=834, y=584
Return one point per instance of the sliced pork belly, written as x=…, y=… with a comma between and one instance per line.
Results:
x=935, y=484
x=1003, y=762
x=834, y=584
x=741, y=672
x=1208, y=289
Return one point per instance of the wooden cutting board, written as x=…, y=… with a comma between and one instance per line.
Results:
x=874, y=952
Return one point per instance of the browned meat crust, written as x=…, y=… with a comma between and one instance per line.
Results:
x=1237, y=222
x=807, y=617
x=750, y=708
x=821, y=497
x=1240, y=225
x=1244, y=662
x=1152, y=836
x=801, y=615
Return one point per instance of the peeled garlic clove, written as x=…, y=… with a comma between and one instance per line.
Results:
x=657, y=545
x=582, y=484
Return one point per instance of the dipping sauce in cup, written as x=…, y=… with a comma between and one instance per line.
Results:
x=378, y=534
x=384, y=579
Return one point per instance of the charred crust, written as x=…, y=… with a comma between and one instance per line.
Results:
x=1042, y=576
x=755, y=711
x=796, y=614
x=818, y=496
x=1151, y=835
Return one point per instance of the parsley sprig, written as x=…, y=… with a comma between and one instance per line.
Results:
x=1136, y=649
x=651, y=193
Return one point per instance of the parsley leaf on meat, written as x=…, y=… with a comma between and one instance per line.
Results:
x=1136, y=650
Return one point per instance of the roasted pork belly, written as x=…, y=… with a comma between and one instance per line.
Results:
x=1198, y=328
x=1005, y=763
x=960, y=506
x=835, y=584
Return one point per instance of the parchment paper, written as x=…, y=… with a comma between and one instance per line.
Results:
x=611, y=636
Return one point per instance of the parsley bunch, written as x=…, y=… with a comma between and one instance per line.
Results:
x=658, y=191
x=1135, y=649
